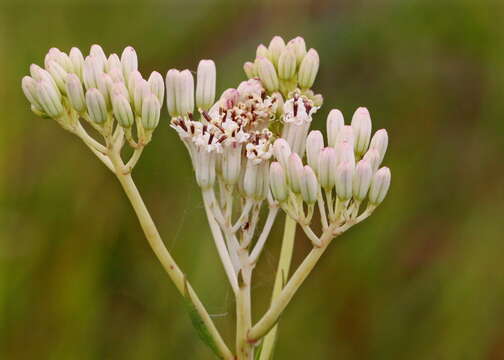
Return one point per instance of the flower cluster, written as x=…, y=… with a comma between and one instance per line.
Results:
x=347, y=170
x=286, y=67
x=101, y=90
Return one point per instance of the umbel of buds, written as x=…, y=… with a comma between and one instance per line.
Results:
x=104, y=91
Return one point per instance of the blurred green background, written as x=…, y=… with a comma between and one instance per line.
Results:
x=423, y=278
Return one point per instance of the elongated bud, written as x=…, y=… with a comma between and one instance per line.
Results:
x=97, y=52
x=314, y=145
x=326, y=168
x=156, y=84
x=134, y=79
x=308, y=69
x=59, y=75
x=379, y=142
x=299, y=47
x=281, y=151
x=345, y=135
x=171, y=84
x=97, y=108
x=141, y=89
x=287, y=64
x=276, y=46
x=122, y=111
x=250, y=70
x=267, y=74
x=113, y=62
x=205, y=168
x=29, y=87
x=379, y=186
x=335, y=122
x=262, y=51
x=294, y=172
x=49, y=98
x=373, y=157
x=184, y=92
x=51, y=55
x=60, y=57
x=362, y=180
x=309, y=185
x=231, y=163
x=150, y=112
x=77, y=61
x=75, y=92
x=344, y=180
x=129, y=61
x=256, y=180
x=205, y=85
x=92, y=73
x=119, y=89
x=40, y=74
x=361, y=124
x=278, y=182
x=116, y=75
x=345, y=153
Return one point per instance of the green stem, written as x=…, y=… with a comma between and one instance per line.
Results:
x=281, y=278
x=157, y=245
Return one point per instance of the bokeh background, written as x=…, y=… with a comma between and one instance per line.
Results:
x=423, y=278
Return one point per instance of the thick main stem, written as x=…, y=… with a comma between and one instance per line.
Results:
x=157, y=245
x=244, y=349
x=281, y=277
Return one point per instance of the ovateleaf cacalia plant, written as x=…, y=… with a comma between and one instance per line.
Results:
x=252, y=152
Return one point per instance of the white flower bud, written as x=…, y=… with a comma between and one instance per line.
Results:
x=250, y=69
x=51, y=55
x=122, y=110
x=58, y=73
x=299, y=47
x=129, y=61
x=326, y=168
x=92, y=73
x=373, y=157
x=308, y=69
x=294, y=172
x=171, y=84
x=77, y=61
x=345, y=135
x=49, y=98
x=60, y=58
x=150, y=112
x=379, y=186
x=287, y=64
x=344, y=180
x=262, y=51
x=379, y=142
x=335, y=122
x=345, y=153
x=205, y=168
x=267, y=74
x=113, y=62
x=362, y=179
x=281, y=151
x=119, y=88
x=133, y=79
x=40, y=74
x=97, y=108
x=314, y=145
x=361, y=124
x=278, y=182
x=116, y=75
x=140, y=91
x=75, y=92
x=97, y=52
x=256, y=180
x=276, y=46
x=184, y=93
x=205, y=84
x=156, y=84
x=29, y=87
x=309, y=185
x=231, y=163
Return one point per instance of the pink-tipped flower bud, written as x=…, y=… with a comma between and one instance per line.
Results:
x=379, y=186
x=345, y=153
x=205, y=84
x=256, y=180
x=362, y=180
x=361, y=124
x=276, y=46
x=335, y=122
x=379, y=142
x=250, y=70
x=75, y=92
x=267, y=74
x=308, y=69
x=326, y=168
x=299, y=46
x=287, y=64
x=345, y=135
x=150, y=111
x=262, y=51
x=59, y=75
x=373, y=157
x=29, y=86
x=97, y=108
x=97, y=52
x=129, y=61
x=184, y=93
x=281, y=151
x=343, y=180
x=314, y=145
x=122, y=111
x=278, y=182
x=113, y=62
x=294, y=172
x=49, y=98
x=141, y=90
x=171, y=84
x=309, y=185
x=77, y=60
